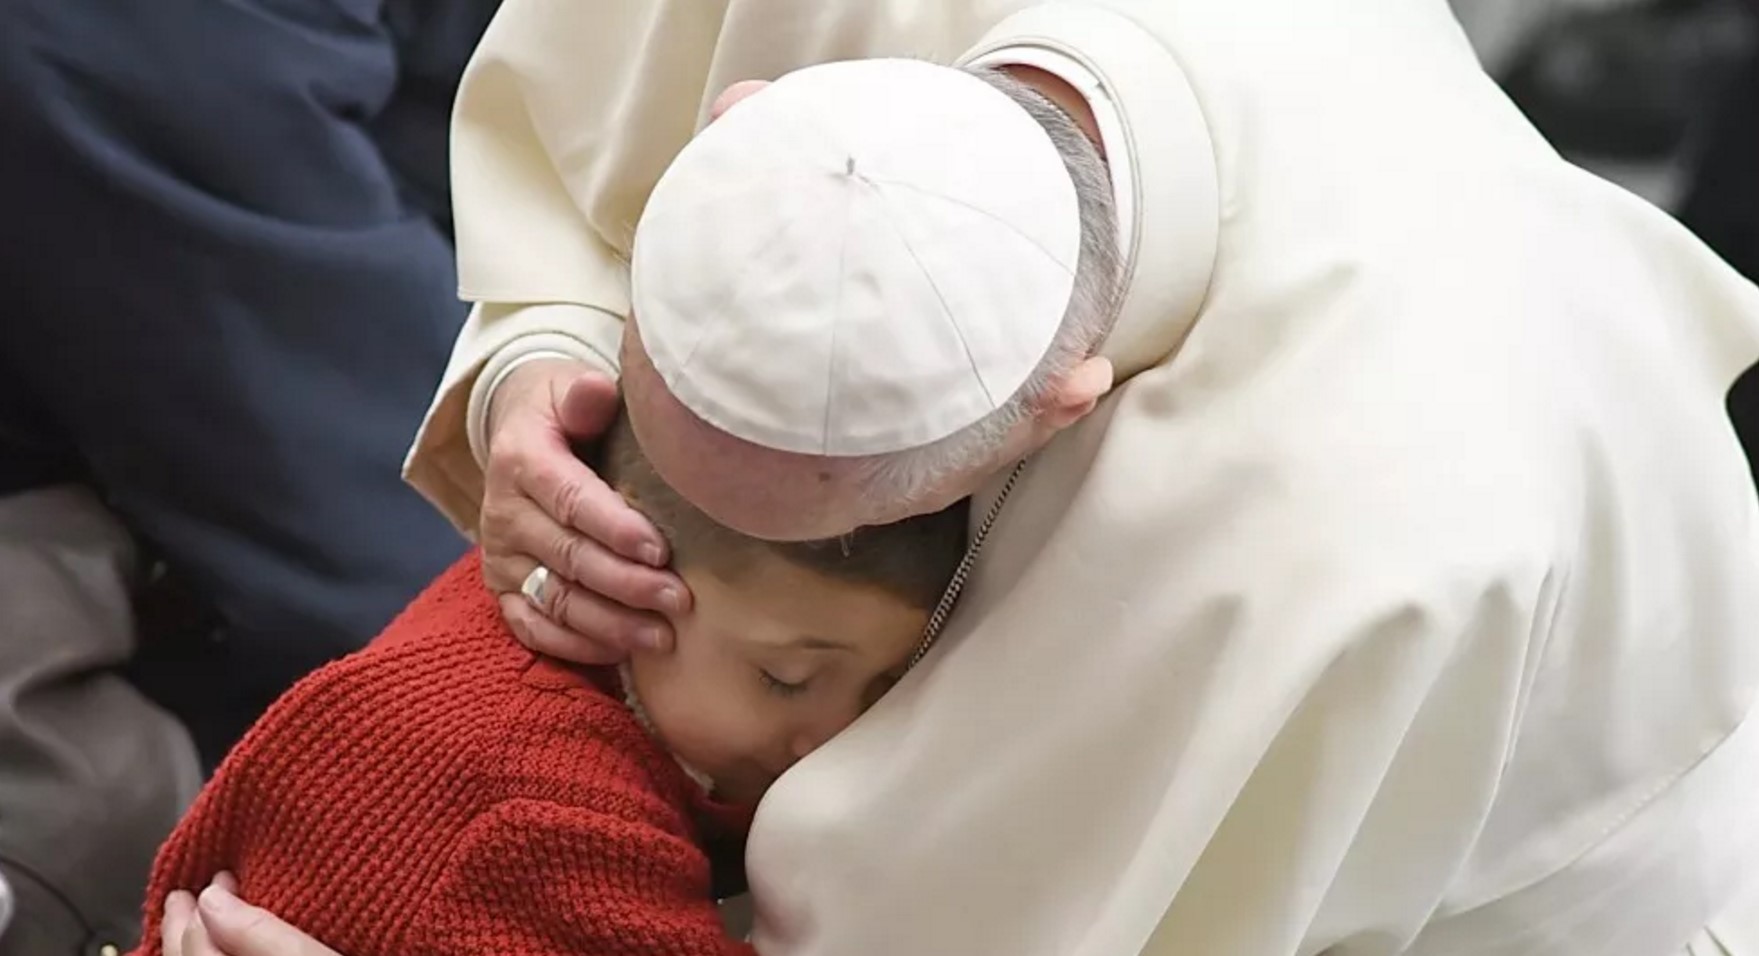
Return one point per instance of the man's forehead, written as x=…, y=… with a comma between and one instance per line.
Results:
x=748, y=488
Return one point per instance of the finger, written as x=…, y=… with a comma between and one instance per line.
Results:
x=179, y=910
x=584, y=611
x=589, y=612
x=512, y=528
x=239, y=929
x=196, y=941
x=227, y=882
x=589, y=565
x=732, y=95
x=568, y=491
x=505, y=566
x=621, y=632
x=588, y=407
x=519, y=538
x=544, y=636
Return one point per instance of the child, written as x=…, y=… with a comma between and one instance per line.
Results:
x=447, y=791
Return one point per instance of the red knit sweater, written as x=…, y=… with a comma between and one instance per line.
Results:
x=445, y=791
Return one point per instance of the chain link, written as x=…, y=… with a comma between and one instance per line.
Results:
x=956, y=587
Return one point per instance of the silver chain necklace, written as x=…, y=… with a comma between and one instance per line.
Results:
x=956, y=587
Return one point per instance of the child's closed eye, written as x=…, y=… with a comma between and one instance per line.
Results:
x=779, y=687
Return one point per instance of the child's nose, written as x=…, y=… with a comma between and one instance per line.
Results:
x=807, y=741
x=822, y=727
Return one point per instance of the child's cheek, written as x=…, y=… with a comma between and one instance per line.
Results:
x=706, y=701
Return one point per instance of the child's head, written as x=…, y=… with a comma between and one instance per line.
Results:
x=786, y=643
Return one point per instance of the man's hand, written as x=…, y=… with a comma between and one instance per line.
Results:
x=542, y=505
x=221, y=924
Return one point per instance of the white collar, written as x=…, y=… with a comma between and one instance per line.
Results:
x=1160, y=152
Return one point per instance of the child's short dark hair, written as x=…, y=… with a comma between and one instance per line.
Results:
x=912, y=560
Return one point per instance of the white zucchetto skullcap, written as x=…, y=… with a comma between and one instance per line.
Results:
x=862, y=258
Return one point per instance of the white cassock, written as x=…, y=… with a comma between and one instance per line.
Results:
x=1405, y=598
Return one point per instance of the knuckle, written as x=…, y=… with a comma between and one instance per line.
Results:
x=505, y=572
x=493, y=575
x=592, y=631
x=498, y=466
x=256, y=924
x=571, y=500
x=572, y=556
x=506, y=455
x=499, y=563
x=524, y=470
x=561, y=600
x=500, y=497
x=632, y=584
x=620, y=623
x=581, y=619
x=495, y=523
x=629, y=536
x=519, y=622
x=623, y=628
x=488, y=529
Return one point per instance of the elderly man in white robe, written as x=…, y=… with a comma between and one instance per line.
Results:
x=1383, y=572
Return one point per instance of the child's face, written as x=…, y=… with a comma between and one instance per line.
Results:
x=769, y=667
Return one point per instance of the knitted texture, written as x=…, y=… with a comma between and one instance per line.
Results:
x=446, y=791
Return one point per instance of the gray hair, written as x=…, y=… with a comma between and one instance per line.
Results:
x=909, y=474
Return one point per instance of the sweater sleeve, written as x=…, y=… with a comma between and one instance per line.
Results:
x=535, y=878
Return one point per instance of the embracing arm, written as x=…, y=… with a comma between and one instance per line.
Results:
x=534, y=877
x=549, y=177
x=529, y=878
x=566, y=117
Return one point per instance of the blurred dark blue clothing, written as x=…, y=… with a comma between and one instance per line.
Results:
x=1722, y=207
x=229, y=294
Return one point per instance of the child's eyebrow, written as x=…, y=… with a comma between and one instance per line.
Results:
x=812, y=643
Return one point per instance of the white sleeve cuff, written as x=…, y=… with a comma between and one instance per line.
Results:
x=1112, y=136
x=519, y=351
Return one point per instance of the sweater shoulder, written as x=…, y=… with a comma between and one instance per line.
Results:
x=446, y=664
x=444, y=694
x=580, y=745
x=384, y=761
